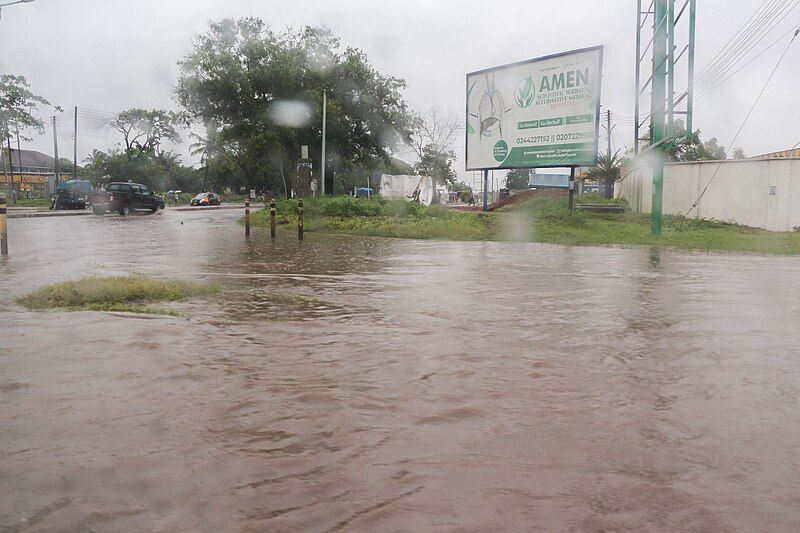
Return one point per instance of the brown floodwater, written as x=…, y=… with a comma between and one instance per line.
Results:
x=390, y=385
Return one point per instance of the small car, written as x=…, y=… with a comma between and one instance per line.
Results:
x=206, y=198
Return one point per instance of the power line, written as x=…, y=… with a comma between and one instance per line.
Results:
x=734, y=45
x=734, y=52
x=752, y=108
x=743, y=50
x=705, y=92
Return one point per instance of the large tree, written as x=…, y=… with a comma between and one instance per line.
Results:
x=18, y=105
x=434, y=129
x=264, y=89
x=143, y=130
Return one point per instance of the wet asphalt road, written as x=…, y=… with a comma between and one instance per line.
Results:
x=373, y=384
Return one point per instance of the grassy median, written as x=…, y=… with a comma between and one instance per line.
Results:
x=541, y=219
x=132, y=294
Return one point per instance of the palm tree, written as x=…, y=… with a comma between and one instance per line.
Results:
x=607, y=171
x=205, y=146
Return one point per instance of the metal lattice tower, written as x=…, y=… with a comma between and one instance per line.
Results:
x=663, y=102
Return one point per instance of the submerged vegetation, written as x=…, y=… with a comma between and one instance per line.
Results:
x=544, y=219
x=130, y=294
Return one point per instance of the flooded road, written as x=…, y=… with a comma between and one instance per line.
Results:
x=390, y=385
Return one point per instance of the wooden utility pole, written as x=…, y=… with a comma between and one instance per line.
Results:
x=11, y=169
x=608, y=130
x=19, y=158
x=55, y=154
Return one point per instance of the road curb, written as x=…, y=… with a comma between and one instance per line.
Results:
x=46, y=214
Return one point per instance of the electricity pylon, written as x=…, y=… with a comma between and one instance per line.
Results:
x=663, y=103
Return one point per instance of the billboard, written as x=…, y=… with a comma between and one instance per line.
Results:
x=542, y=112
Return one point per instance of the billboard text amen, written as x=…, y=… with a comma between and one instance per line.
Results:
x=542, y=112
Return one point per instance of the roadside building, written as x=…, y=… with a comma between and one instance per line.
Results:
x=32, y=172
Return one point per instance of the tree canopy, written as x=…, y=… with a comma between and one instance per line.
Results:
x=263, y=91
x=518, y=178
x=607, y=171
x=17, y=106
x=436, y=163
x=144, y=130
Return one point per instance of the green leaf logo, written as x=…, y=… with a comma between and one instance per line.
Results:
x=523, y=94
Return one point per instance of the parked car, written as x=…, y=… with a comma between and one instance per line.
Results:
x=72, y=194
x=206, y=198
x=125, y=198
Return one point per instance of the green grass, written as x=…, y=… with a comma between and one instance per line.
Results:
x=116, y=293
x=33, y=202
x=543, y=219
x=377, y=217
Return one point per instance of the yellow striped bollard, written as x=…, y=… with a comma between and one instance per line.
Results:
x=300, y=219
x=272, y=220
x=247, y=217
x=3, y=227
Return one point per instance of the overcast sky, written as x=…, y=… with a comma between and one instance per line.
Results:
x=109, y=55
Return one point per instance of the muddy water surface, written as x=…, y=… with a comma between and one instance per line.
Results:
x=370, y=384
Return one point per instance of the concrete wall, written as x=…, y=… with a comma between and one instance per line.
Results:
x=759, y=193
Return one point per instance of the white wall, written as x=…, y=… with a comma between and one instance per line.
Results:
x=739, y=191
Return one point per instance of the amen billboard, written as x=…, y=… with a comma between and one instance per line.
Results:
x=542, y=112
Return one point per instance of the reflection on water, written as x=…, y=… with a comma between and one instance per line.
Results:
x=371, y=384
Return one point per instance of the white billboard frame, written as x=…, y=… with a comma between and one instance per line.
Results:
x=565, y=163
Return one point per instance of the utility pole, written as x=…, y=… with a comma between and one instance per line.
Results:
x=690, y=87
x=608, y=129
x=657, y=110
x=11, y=168
x=324, y=117
x=19, y=159
x=55, y=154
x=75, y=148
x=663, y=103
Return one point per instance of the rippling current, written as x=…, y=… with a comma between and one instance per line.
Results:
x=389, y=385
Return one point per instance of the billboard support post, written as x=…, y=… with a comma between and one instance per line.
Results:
x=571, y=188
x=485, y=191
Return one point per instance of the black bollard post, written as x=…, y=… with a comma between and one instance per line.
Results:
x=247, y=217
x=272, y=220
x=300, y=219
x=3, y=229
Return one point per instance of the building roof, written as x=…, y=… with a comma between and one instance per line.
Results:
x=781, y=154
x=31, y=159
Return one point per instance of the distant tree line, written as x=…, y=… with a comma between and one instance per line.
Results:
x=250, y=98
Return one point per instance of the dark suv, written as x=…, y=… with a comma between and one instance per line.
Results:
x=125, y=198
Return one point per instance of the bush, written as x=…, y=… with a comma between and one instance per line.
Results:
x=403, y=208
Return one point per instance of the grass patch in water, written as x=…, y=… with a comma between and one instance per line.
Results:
x=378, y=217
x=115, y=293
x=543, y=219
